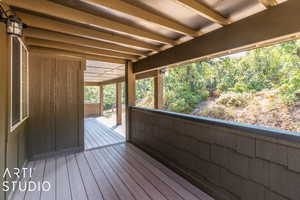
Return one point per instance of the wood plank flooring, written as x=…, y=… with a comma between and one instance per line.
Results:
x=117, y=172
x=98, y=135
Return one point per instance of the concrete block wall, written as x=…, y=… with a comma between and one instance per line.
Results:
x=226, y=162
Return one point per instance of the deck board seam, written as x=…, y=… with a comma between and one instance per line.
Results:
x=68, y=177
x=140, y=159
x=130, y=162
x=164, y=168
x=117, y=174
x=106, y=176
x=80, y=174
x=93, y=173
x=129, y=174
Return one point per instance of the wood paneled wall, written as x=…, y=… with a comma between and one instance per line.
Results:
x=91, y=109
x=13, y=153
x=56, y=105
x=3, y=98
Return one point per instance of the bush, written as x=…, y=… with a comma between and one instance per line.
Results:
x=217, y=112
x=234, y=99
x=290, y=88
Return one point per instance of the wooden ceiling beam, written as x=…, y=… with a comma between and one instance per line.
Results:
x=86, y=83
x=263, y=27
x=54, y=25
x=51, y=51
x=112, y=81
x=269, y=3
x=104, y=68
x=135, y=11
x=76, y=48
x=59, y=37
x=204, y=11
x=139, y=76
x=67, y=13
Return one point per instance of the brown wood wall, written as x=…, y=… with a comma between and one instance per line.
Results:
x=91, y=109
x=56, y=105
x=13, y=153
x=3, y=98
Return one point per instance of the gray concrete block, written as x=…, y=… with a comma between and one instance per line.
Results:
x=164, y=122
x=231, y=160
x=219, y=155
x=278, y=179
x=246, y=145
x=213, y=173
x=199, y=149
x=231, y=182
x=259, y=171
x=294, y=159
x=179, y=126
x=269, y=195
x=272, y=152
x=285, y=182
x=293, y=185
x=199, y=132
x=238, y=164
x=251, y=191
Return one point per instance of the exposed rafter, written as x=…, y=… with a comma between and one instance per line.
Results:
x=263, y=27
x=76, y=48
x=63, y=12
x=140, y=76
x=51, y=51
x=204, y=11
x=49, y=24
x=132, y=10
x=59, y=37
x=269, y=3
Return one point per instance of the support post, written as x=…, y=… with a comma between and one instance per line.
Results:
x=158, y=90
x=119, y=103
x=129, y=96
x=101, y=100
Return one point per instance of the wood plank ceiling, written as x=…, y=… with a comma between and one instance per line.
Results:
x=109, y=32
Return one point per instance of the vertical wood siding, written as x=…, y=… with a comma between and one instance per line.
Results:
x=56, y=104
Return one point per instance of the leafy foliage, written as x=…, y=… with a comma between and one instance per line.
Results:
x=91, y=94
x=144, y=92
x=109, y=96
x=277, y=66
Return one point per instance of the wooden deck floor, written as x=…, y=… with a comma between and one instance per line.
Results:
x=118, y=172
x=98, y=135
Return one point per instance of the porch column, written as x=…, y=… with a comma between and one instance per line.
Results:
x=101, y=100
x=119, y=102
x=129, y=95
x=158, y=90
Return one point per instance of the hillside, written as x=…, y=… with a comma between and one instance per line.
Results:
x=263, y=108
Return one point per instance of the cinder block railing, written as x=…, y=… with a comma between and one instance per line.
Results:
x=228, y=160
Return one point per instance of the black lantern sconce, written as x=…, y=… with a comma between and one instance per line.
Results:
x=14, y=26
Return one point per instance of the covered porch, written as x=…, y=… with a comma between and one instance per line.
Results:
x=68, y=45
x=98, y=133
x=118, y=172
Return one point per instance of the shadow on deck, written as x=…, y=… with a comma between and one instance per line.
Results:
x=99, y=135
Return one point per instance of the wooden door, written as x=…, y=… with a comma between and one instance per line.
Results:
x=67, y=103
